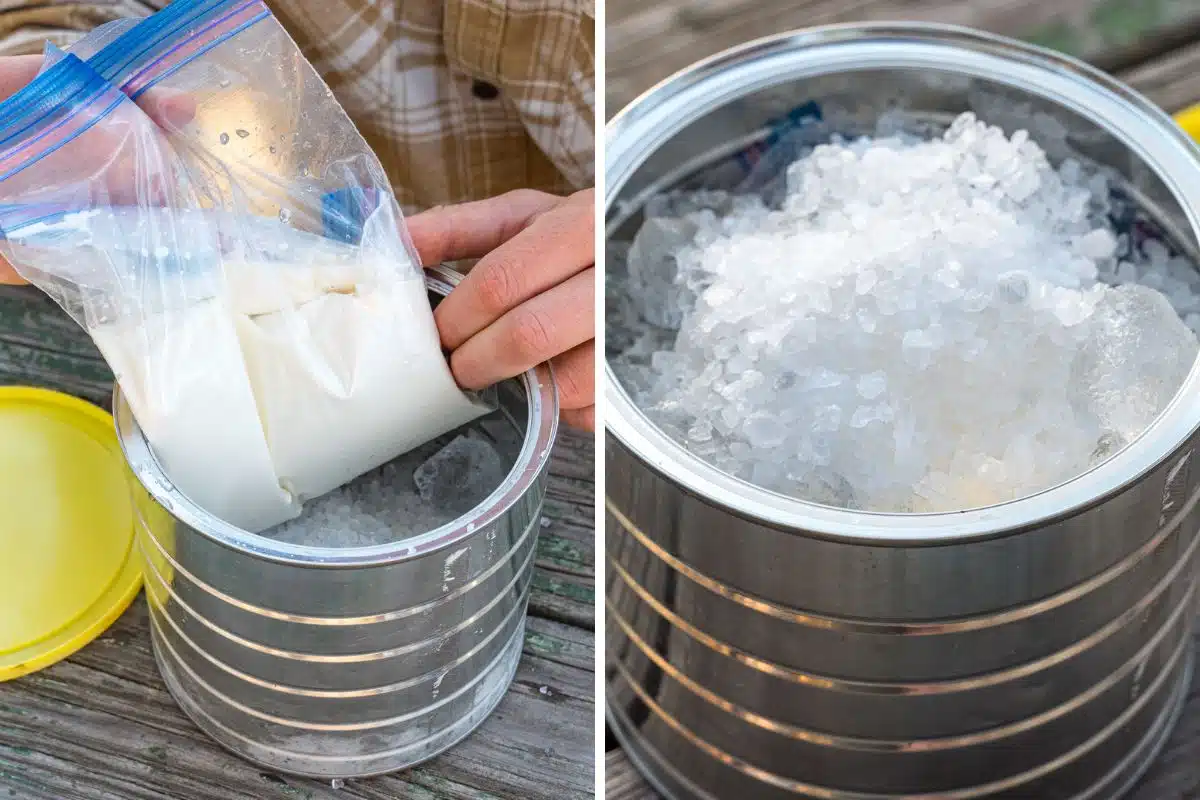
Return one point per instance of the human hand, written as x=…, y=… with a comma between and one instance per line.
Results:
x=529, y=299
x=108, y=149
x=15, y=72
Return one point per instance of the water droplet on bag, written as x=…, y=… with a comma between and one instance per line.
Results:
x=224, y=138
x=225, y=83
x=271, y=148
x=242, y=133
x=285, y=216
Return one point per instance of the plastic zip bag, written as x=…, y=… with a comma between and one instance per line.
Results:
x=253, y=289
x=77, y=157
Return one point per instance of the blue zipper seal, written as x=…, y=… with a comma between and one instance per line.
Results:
x=136, y=44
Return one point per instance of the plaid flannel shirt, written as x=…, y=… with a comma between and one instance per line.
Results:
x=460, y=99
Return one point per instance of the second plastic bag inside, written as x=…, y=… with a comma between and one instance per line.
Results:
x=260, y=305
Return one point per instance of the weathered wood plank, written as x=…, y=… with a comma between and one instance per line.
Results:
x=564, y=587
x=101, y=726
x=646, y=42
x=622, y=781
x=41, y=346
x=564, y=581
x=566, y=543
x=1175, y=775
x=564, y=598
x=1172, y=81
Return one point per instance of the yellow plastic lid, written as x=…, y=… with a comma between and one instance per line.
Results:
x=68, y=564
x=1189, y=120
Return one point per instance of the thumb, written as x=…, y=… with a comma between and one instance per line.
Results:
x=8, y=275
x=16, y=72
x=169, y=108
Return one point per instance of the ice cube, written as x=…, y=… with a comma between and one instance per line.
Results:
x=460, y=475
x=1135, y=360
x=653, y=268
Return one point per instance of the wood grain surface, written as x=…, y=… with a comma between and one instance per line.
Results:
x=647, y=42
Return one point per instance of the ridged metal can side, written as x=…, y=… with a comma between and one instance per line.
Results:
x=760, y=646
x=343, y=663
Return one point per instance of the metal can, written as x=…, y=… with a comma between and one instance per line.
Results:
x=342, y=663
x=761, y=646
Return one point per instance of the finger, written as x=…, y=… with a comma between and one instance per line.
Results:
x=169, y=108
x=119, y=161
x=555, y=246
x=536, y=331
x=16, y=72
x=575, y=376
x=8, y=275
x=583, y=419
x=471, y=230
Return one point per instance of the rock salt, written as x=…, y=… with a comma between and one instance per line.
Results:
x=918, y=325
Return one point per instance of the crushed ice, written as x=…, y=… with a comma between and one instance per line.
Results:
x=921, y=325
x=414, y=493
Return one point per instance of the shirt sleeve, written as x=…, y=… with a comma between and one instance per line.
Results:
x=26, y=25
x=541, y=55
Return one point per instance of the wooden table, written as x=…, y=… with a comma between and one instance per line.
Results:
x=1152, y=44
x=101, y=725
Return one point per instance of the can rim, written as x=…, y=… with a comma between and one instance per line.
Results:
x=652, y=119
x=541, y=428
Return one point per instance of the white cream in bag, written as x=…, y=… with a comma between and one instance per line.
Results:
x=241, y=261
x=292, y=380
